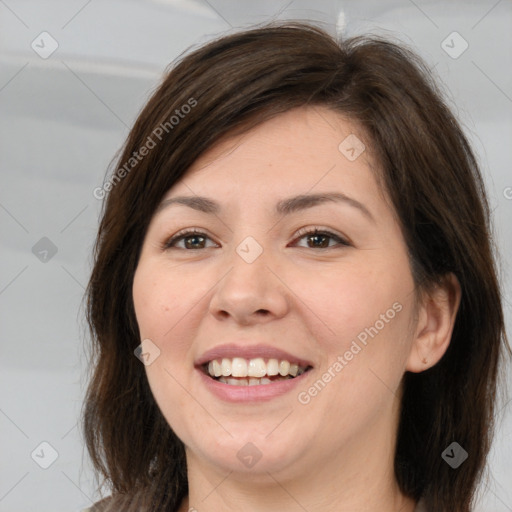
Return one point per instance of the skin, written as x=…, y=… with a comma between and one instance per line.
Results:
x=335, y=452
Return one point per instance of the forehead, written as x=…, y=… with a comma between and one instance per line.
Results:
x=304, y=148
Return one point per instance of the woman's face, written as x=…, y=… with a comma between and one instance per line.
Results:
x=258, y=292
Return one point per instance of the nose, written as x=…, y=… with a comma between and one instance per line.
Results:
x=250, y=292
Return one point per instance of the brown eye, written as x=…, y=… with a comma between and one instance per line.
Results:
x=316, y=239
x=321, y=239
x=193, y=240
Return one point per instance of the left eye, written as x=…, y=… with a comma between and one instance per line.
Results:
x=322, y=238
x=197, y=239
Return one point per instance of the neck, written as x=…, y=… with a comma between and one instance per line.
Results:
x=227, y=494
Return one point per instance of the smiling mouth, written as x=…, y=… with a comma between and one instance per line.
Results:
x=239, y=371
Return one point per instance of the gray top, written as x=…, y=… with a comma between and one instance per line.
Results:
x=420, y=507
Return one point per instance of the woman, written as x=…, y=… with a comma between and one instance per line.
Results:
x=295, y=245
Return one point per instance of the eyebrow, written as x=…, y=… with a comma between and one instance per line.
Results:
x=283, y=207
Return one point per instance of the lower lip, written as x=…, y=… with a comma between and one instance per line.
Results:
x=257, y=393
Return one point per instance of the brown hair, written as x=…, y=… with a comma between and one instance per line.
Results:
x=426, y=167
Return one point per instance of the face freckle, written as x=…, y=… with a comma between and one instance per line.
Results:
x=311, y=302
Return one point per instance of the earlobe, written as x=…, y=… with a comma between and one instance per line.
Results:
x=435, y=325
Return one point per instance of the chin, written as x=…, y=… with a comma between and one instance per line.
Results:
x=249, y=453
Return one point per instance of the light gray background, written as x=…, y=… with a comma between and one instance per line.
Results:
x=64, y=117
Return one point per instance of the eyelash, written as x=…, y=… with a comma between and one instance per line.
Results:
x=301, y=234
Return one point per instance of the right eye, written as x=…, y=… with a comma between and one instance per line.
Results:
x=194, y=239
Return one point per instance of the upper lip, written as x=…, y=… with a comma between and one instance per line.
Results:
x=249, y=352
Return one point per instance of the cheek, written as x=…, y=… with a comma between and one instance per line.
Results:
x=360, y=318
x=159, y=301
x=344, y=302
x=163, y=313
x=364, y=365
x=169, y=308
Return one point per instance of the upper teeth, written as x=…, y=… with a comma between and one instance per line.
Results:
x=239, y=367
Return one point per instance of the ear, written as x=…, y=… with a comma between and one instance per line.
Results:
x=436, y=318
